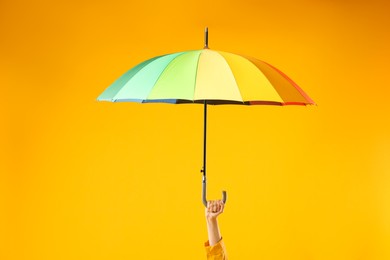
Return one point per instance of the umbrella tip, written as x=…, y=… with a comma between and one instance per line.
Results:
x=206, y=38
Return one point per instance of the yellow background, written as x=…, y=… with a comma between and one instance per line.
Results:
x=82, y=179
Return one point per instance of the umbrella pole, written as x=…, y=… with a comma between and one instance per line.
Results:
x=204, y=200
x=204, y=155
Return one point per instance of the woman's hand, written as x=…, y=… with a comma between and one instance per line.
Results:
x=214, y=209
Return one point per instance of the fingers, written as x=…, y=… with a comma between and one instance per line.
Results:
x=210, y=205
x=215, y=206
x=221, y=206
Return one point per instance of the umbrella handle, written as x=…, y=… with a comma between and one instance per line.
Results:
x=224, y=194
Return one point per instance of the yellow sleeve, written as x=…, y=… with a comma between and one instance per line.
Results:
x=217, y=251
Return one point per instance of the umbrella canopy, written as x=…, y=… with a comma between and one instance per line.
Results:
x=216, y=76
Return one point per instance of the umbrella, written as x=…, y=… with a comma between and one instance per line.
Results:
x=208, y=77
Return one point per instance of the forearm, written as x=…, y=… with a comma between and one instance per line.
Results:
x=213, y=231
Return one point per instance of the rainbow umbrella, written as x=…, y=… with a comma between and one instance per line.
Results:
x=208, y=77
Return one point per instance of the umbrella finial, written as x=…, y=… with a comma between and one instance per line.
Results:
x=206, y=38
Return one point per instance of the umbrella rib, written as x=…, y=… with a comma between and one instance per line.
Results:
x=295, y=85
x=309, y=101
x=116, y=86
x=249, y=59
x=230, y=69
x=162, y=72
x=114, y=98
x=196, y=76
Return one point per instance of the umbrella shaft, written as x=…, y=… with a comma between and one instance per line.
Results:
x=204, y=156
x=204, y=140
x=206, y=38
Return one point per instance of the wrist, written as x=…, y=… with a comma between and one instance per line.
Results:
x=211, y=220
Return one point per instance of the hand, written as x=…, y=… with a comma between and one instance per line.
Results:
x=214, y=209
